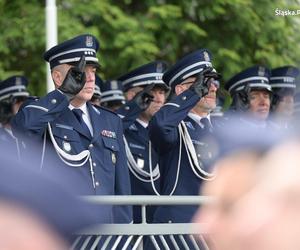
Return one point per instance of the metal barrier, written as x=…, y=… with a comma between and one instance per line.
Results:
x=131, y=236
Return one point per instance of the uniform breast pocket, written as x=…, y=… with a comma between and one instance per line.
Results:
x=67, y=139
x=111, y=149
x=140, y=156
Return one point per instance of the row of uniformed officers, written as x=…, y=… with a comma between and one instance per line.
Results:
x=147, y=146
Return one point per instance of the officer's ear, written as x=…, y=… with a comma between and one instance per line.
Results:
x=58, y=74
x=179, y=88
x=56, y=77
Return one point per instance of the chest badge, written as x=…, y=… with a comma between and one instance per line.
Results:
x=66, y=146
x=140, y=163
x=113, y=158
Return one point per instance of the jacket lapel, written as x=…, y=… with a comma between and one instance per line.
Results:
x=95, y=116
x=69, y=118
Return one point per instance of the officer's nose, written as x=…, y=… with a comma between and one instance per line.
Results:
x=213, y=85
x=90, y=76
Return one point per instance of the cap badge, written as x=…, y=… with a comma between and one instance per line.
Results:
x=114, y=85
x=261, y=71
x=89, y=41
x=289, y=71
x=18, y=81
x=206, y=56
x=159, y=67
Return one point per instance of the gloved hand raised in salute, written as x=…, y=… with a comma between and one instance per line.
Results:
x=144, y=97
x=204, y=80
x=74, y=80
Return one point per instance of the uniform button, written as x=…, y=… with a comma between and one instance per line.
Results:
x=184, y=98
x=94, y=164
x=112, y=146
x=127, y=108
x=65, y=137
x=53, y=101
x=97, y=183
x=91, y=146
x=199, y=155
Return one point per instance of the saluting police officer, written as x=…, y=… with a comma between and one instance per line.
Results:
x=178, y=129
x=87, y=139
x=145, y=88
x=251, y=95
x=283, y=83
x=13, y=92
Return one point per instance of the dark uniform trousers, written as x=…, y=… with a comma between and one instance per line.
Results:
x=106, y=147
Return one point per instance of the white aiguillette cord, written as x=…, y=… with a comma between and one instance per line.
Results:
x=185, y=137
x=192, y=156
x=139, y=173
x=83, y=156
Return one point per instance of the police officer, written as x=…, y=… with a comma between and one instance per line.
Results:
x=96, y=98
x=251, y=95
x=283, y=83
x=88, y=140
x=144, y=171
x=112, y=94
x=13, y=92
x=178, y=132
x=178, y=128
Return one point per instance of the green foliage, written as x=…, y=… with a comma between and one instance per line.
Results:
x=240, y=33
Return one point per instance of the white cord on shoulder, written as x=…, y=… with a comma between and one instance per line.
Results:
x=192, y=156
x=150, y=170
x=139, y=173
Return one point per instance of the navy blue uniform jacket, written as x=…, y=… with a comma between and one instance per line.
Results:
x=164, y=134
x=106, y=147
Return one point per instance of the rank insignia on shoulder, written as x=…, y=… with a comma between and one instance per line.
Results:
x=66, y=146
x=109, y=134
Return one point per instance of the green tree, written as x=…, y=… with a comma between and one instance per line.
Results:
x=239, y=33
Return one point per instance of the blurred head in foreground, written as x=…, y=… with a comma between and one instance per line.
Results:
x=241, y=153
x=36, y=212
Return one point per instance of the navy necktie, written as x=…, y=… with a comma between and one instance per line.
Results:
x=206, y=124
x=78, y=113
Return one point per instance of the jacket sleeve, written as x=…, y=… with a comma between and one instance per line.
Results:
x=122, y=214
x=163, y=127
x=129, y=112
x=34, y=115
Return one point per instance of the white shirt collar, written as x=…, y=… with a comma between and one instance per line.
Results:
x=83, y=108
x=197, y=118
x=144, y=124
